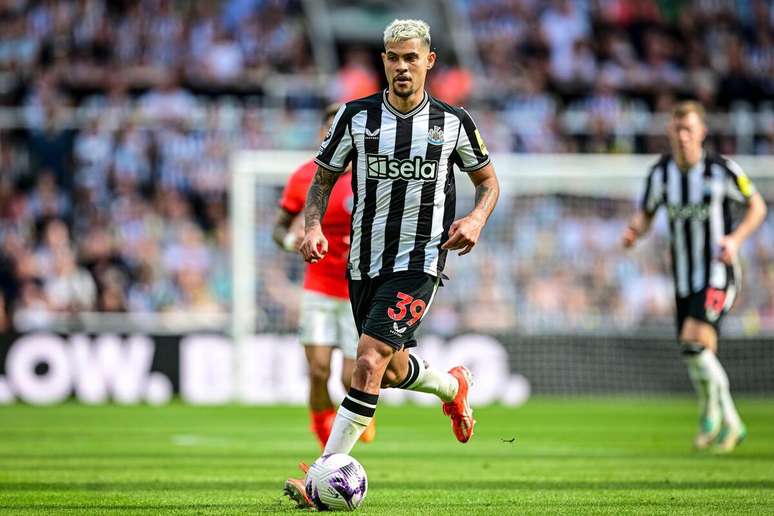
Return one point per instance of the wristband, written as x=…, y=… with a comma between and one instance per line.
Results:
x=289, y=242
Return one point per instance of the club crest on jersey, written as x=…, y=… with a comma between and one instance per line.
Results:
x=435, y=136
x=381, y=166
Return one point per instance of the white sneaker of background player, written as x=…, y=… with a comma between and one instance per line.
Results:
x=709, y=428
x=730, y=437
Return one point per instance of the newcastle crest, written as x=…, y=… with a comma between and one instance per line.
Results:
x=435, y=136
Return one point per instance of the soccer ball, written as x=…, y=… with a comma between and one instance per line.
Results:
x=336, y=482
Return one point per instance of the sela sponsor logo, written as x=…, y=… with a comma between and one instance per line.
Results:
x=372, y=135
x=435, y=136
x=381, y=166
x=688, y=211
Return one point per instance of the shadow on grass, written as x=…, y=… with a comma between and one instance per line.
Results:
x=478, y=485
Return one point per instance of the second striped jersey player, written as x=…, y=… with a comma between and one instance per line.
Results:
x=712, y=208
x=699, y=204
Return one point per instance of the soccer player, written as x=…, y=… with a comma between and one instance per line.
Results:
x=326, y=315
x=402, y=144
x=698, y=189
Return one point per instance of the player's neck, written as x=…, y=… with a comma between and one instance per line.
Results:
x=406, y=104
x=686, y=163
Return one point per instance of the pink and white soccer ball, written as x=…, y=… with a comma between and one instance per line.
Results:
x=337, y=482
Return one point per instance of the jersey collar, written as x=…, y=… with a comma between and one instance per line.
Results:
x=411, y=113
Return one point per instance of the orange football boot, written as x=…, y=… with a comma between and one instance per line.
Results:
x=370, y=432
x=459, y=409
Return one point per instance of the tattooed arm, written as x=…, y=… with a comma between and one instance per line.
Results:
x=464, y=233
x=314, y=247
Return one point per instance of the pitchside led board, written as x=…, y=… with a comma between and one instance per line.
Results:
x=207, y=369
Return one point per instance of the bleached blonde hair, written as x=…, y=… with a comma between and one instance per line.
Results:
x=401, y=30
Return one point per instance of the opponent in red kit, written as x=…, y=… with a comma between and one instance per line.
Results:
x=326, y=312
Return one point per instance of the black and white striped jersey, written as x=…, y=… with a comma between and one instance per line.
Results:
x=701, y=204
x=402, y=179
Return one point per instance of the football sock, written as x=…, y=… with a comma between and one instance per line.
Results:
x=322, y=421
x=354, y=415
x=730, y=415
x=701, y=378
x=423, y=378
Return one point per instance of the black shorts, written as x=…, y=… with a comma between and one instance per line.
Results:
x=390, y=308
x=710, y=304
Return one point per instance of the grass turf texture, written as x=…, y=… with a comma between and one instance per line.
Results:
x=569, y=457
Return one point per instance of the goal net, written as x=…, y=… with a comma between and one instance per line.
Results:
x=549, y=280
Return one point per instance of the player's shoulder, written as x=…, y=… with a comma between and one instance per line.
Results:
x=660, y=163
x=727, y=164
x=353, y=107
x=457, y=111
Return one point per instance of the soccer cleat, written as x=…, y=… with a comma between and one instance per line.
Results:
x=369, y=434
x=709, y=428
x=458, y=409
x=296, y=491
x=728, y=439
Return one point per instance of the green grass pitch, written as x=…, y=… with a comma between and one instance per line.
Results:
x=570, y=456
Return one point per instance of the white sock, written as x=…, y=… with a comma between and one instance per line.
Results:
x=703, y=384
x=422, y=378
x=354, y=415
x=730, y=415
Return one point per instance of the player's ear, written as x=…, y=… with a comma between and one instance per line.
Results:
x=430, y=60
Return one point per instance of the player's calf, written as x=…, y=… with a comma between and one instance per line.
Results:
x=696, y=361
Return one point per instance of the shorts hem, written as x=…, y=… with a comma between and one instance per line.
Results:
x=392, y=344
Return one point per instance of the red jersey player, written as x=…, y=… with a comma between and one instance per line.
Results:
x=326, y=313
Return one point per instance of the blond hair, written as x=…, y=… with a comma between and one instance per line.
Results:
x=401, y=30
x=686, y=107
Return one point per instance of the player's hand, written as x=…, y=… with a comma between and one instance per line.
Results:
x=729, y=248
x=314, y=246
x=292, y=241
x=463, y=234
x=629, y=237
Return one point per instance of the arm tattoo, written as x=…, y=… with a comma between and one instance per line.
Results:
x=317, y=198
x=487, y=193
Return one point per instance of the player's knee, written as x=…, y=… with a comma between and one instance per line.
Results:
x=367, y=363
x=691, y=348
x=319, y=372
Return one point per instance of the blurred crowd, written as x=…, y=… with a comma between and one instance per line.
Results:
x=519, y=277
x=604, y=65
x=117, y=120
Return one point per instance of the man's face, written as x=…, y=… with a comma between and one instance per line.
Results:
x=686, y=135
x=406, y=64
